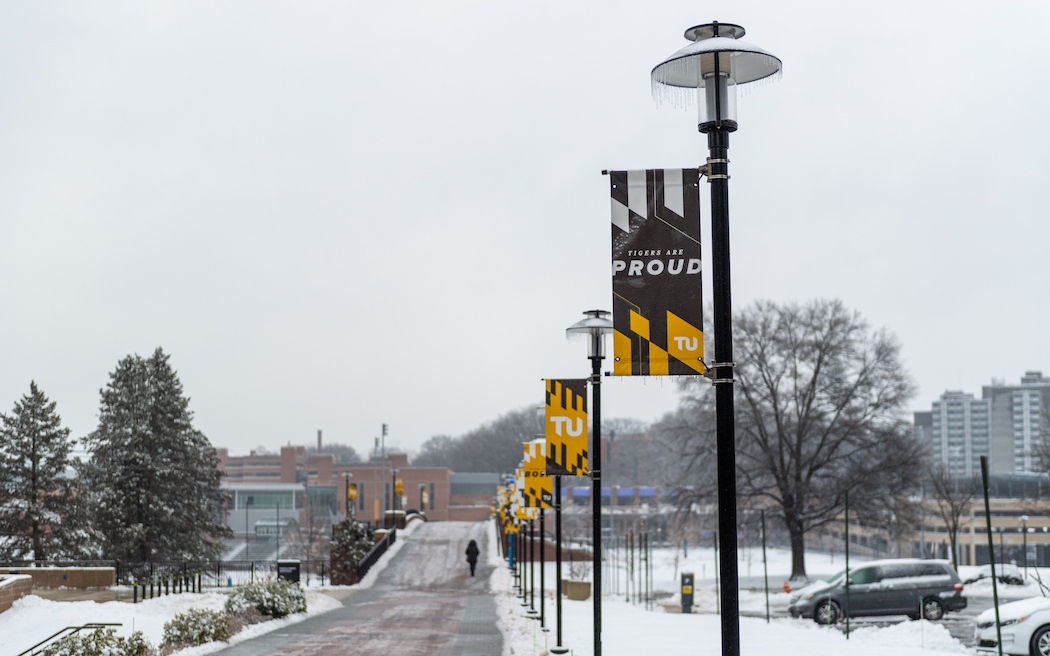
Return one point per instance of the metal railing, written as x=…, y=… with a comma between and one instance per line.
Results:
x=74, y=629
x=205, y=573
x=376, y=553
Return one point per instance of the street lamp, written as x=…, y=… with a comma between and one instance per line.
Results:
x=596, y=326
x=714, y=64
x=1024, y=543
x=247, y=504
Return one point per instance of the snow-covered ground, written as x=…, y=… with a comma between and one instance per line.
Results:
x=630, y=629
x=31, y=619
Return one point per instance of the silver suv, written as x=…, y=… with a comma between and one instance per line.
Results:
x=904, y=586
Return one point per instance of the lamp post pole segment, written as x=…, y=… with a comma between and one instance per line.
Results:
x=543, y=568
x=596, y=326
x=1024, y=543
x=532, y=567
x=558, y=648
x=714, y=64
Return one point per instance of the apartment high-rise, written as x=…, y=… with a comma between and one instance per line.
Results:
x=1018, y=421
x=957, y=432
x=1006, y=424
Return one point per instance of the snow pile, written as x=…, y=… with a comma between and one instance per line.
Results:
x=520, y=634
x=629, y=629
x=373, y=572
x=925, y=634
x=983, y=588
x=32, y=618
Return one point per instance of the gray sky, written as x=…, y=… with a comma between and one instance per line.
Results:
x=334, y=215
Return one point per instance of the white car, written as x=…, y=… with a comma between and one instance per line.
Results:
x=1025, y=627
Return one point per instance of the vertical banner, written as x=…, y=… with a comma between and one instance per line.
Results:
x=538, y=491
x=566, y=427
x=521, y=510
x=657, y=303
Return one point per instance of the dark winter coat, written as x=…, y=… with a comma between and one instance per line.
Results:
x=472, y=552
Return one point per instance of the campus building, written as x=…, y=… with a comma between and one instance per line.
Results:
x=1005, y=424
x=270, y=496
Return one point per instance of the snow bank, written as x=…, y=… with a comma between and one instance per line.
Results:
x=629, y=630
x=32, y=618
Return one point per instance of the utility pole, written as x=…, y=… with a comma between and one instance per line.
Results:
x=382, y=467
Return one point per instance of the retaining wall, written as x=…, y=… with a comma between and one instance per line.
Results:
x=12, y=588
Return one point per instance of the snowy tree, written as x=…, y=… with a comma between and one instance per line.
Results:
x=38, y=507
x=153, y=478
x=350, y=544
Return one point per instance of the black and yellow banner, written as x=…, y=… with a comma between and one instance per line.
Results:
x=566, y=427
x=657, y=302
x=537, y=488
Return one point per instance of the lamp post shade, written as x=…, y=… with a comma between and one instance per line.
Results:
x=714, y=64
x=597, y=326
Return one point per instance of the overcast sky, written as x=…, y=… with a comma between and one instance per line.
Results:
x=335, y=215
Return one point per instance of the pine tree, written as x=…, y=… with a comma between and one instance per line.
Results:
x=154, y=479
x=37, y=516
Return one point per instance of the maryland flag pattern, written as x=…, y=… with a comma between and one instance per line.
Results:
x=537, y=490
x=657, y=303
x=521, y=509
x=566, y=427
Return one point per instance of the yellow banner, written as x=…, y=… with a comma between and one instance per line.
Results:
x=566, y=427
x=538, y=487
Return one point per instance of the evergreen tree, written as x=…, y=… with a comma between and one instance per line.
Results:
x=351, y=542
x=154, y=479
x=37, y=515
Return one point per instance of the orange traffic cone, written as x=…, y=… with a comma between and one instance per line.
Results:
x=787, y=587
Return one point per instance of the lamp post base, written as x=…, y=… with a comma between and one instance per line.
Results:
x=559, y=650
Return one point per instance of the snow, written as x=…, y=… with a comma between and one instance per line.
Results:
x=629, y=629
x=32, y=618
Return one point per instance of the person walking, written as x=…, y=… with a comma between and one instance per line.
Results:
x=472, y=556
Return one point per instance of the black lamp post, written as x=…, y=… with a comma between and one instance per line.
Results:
x=595, y=326
x=1024, y=543
x=247, y=504
x=714, y=64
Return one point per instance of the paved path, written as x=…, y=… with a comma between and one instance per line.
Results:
x=424, y=603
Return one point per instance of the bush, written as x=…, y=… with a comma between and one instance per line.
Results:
x=196, y=627
x=100, y=643
x=274, y=598
x=351, y=542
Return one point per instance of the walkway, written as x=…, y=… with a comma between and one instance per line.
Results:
x=424, y=603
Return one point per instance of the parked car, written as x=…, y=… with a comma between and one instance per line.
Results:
x=1025, y=627
x=911, y=587
x=1005, y=573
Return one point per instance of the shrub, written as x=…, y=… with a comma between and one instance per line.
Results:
x=246, y=617
x=274, y=598
x=351, y=542
x=196, y=627
x=100, y=643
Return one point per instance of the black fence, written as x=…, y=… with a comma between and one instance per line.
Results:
x=377, y=551
x=178, y=574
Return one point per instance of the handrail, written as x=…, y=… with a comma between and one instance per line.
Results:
x=378, y=550
x=75, y=629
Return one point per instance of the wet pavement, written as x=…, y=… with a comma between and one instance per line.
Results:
x=425, y=603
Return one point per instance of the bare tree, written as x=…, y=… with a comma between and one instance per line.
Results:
x=1041, y=448
x=953, y=496
x=309, y=540
x=344, y=453
x=820, y=411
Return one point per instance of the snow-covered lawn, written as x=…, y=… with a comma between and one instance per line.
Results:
x=628, y=629
x=31, y=619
